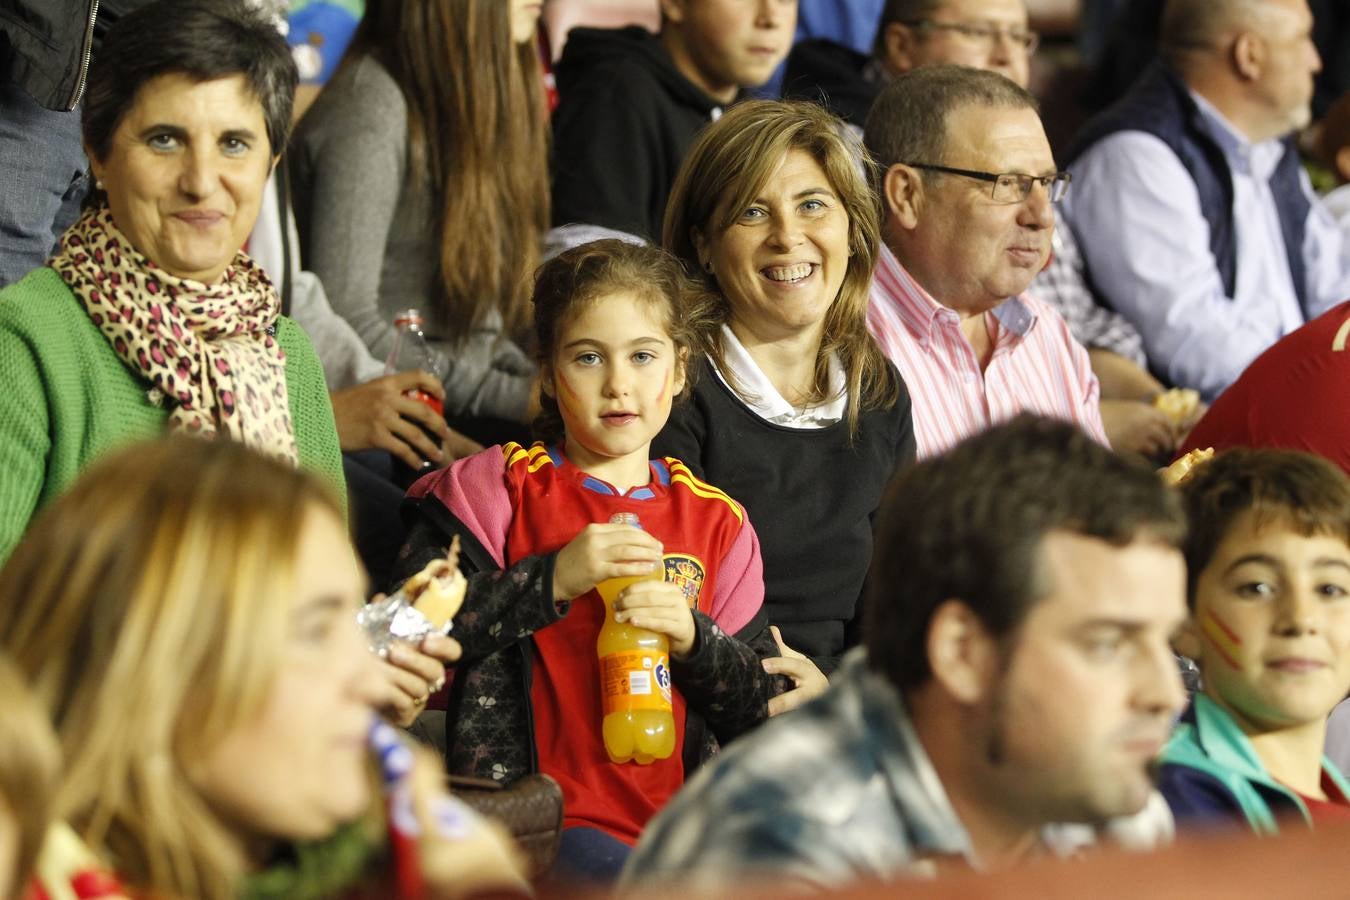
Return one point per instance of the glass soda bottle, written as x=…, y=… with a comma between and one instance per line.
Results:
x=638, y=723
x=411, y=351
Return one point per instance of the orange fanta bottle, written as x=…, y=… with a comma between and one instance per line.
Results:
x=634, y=678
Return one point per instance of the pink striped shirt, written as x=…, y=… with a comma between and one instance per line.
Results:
x=1036, y=366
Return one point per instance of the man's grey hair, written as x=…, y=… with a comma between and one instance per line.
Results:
x=908, y=121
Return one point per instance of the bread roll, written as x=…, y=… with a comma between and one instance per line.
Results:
x=437, y=591
x=1180, y=470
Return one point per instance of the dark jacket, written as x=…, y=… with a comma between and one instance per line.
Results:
x=46, y=45
x=839, y=78
x=1160, y=104
x=496, y=739
x=625, y=119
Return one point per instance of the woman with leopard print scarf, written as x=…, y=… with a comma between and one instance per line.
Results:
x=149, y=318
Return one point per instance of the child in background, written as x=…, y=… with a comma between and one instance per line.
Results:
x=30, y=762
x=1269, y=591
x=614, y=323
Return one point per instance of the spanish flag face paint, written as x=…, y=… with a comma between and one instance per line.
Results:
x=1221, y=638
x=614, y=372
x=1272, y=609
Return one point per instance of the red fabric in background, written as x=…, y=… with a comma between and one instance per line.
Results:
x=1294, y=396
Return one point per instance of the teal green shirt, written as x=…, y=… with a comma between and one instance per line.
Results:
x=1215, y=745
x=66, y=399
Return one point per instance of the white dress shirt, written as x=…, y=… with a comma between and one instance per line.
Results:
x=1136, y=213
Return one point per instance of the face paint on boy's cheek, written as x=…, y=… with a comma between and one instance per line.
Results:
x=1221, y=636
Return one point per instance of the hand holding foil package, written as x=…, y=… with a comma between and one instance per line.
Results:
x=424, y=605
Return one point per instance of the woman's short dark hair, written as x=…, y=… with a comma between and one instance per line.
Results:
x=969, y=525
x=202, y=39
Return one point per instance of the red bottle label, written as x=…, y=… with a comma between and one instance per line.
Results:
x=429, y=399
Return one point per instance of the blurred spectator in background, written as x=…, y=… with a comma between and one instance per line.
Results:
x=632, y=102
x=1190, y=205
x=985, y=34
x=46, y=47
x=420, y=181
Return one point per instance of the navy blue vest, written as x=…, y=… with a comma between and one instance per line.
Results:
x=1160, y=105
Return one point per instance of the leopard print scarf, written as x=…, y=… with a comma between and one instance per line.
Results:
x=208, y=350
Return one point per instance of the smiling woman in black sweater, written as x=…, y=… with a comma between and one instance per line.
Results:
x=799, y=416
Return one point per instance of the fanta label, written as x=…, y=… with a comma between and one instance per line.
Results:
x=661, y=675
x=635, y=680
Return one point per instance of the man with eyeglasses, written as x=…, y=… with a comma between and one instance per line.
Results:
x=1190, y=205
x=994, y=35
x=968, y=189
x=983, y=34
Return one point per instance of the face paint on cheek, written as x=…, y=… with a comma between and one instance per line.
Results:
x=666, y=384
x=1221, y=636
x=567, y=396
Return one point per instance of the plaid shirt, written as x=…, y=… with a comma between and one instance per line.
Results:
x=839, y=789
x=1063, y=285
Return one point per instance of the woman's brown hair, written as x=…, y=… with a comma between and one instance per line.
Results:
x=727, y=167
x=477, y=141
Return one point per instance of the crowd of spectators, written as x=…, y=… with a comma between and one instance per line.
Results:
x=882, y=336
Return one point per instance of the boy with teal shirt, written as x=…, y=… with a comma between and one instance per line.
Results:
x=1269, y=590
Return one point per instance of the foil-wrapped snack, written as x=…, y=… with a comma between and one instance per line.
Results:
x=424, y=605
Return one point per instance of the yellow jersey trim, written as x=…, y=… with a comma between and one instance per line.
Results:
x=680, y=474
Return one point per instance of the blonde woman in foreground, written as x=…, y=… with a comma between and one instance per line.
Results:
x=185, y=615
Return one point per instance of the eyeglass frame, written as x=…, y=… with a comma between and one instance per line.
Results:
x=1049, y=182
x=1025, y=38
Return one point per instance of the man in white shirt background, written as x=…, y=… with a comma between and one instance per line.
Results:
x=1189, y=203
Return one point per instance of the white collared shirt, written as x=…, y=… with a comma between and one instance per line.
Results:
x=1136, y=213
x=756, y=391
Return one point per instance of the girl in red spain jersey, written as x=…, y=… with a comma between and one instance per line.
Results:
x=615, y=323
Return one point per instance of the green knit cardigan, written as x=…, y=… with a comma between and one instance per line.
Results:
x=66, y=399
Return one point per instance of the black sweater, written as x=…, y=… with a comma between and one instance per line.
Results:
x=625, y=119
x=810, y=495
